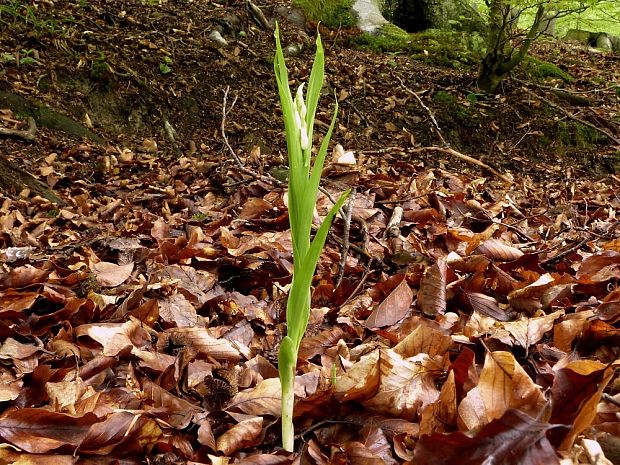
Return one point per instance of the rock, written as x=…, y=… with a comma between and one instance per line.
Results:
x=603, y=42
x=216, y=36
x=369, y=16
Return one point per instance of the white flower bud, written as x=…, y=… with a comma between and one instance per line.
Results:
x=305, y=142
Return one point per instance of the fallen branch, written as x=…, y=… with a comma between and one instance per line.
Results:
x=428, y=110
x=609, y=135
x=258, y=15
x=467, y=158
x=28, y=134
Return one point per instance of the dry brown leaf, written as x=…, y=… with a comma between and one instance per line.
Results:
x=424, y=339
x=441, y=416
x=503, y=385
x=264, y=399
x=406, y=386
x=37, y=430
x=528, y=331
x=432, y=293
x=177, y=309
x=199, y=341
x=361, y=381
x=110, y=274
x=498, y=250
x=246, y=433
x=393, y=308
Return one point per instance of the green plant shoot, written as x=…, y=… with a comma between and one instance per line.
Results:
x=303, y=185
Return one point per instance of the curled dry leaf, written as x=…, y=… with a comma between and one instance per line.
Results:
x=393, y=308
x=264, y=399
x=177, y=309
x=317, y=345
x=246, y=433
x=503, y=385
x=361, y=381
x=528, y=331
x=432, y=293
x=499, y=251
x=38, y=431
x=407, y=385
x=110, y=274
x=576, y=391
x=514, y=439
x=115, y=337
x=198, y=341
x=486, y=305
x=424, y=339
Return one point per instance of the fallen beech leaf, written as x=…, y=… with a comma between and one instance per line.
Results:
x=600, y=267
x=246, y=433
x=264, y=399
x=111, y=275
x=393, y=308
x=485, y=305
x=528, y=331
x=407, y=385
x=503, y=385
x=205, y=434
x=118, y=429
x=361, y=381
x=22, y=276
x=65, y=394
x=199, y=341
x=360, y=454
x=441, y=415
x=115, y=337
x=12, y=349
x=13, y=457
x=424, y=339
x=177, y=309
x=317, y=345
x=179, y=411
x=514, y=439
x=432, y=293
x=498, y=250
x=10, y=387
x=37, y=430
x=576, y=391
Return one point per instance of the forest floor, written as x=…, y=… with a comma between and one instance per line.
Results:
x=140, y=317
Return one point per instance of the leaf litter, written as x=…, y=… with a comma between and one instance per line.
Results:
x=158, y=332
x=142, y=320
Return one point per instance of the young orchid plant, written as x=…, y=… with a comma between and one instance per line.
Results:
x=303, y=185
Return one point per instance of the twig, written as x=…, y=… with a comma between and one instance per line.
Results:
x=573, y=117
x=561, y=255
x=428, y=110
x=345, y=238
x=393, y=227
x=466, y=158
x=28, y=134
x=225, y=112
x=258, y=15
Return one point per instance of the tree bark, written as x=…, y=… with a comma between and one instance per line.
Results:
x=502, y=57
x=16, y=179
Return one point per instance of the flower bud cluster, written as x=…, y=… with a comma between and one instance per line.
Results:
x=300, y=118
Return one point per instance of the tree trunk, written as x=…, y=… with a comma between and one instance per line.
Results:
x=15, y=179
x=419, y=15
x=501, y=57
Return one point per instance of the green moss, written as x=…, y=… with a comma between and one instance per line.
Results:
x=332, y=13
x=452, y=106
x=577, y=135
x=444, y=48
x=445, y=98
x=538, y=69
